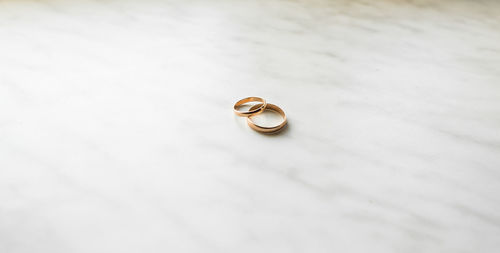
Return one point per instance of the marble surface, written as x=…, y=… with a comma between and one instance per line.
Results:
x=117, y=132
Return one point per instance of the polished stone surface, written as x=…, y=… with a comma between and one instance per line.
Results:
x=117, y=132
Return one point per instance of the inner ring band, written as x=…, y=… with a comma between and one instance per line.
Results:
x=256, y=109
x=264, y=129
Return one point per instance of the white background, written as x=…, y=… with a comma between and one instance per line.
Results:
x=117, y=132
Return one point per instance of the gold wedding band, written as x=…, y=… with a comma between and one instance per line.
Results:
x=264, y=129
x=256, y=109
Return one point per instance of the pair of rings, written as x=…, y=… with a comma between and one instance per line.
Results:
x=257, y=109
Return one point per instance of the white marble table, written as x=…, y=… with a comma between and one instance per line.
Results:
x=117, y=132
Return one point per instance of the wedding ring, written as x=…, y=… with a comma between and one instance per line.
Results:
x=256, y=109
x=264, y=129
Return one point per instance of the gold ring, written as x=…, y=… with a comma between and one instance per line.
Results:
x=256, y=109
x=263, y=129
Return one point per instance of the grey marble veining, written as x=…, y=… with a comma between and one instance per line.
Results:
x=117, y=133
